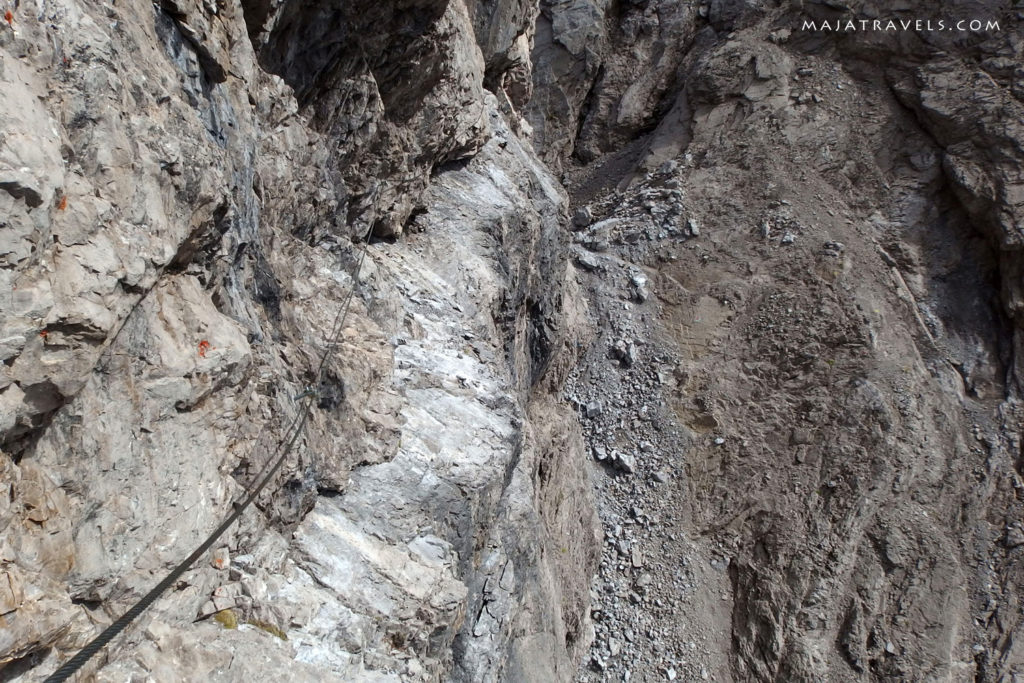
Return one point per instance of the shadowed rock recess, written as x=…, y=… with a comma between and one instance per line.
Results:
x=688, y=344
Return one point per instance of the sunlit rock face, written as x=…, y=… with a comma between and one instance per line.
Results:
x=186, y=190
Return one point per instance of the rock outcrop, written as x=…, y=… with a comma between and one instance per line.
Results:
x=756, y=284
x=185, y=187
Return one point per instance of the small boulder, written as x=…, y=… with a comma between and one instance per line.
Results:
x=582, y=218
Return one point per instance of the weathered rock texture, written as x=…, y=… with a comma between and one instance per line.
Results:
x=785, y=324
x=807, y=278
x=182, y=186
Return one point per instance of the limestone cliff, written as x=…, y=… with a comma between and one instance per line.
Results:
x=184, y=186
x=688, y=344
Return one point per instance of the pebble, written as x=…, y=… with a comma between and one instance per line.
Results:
x=625, y=351
x=669, y=166
x=800, y=436
x=588, y=262
x=221, y=558
x=583, y=217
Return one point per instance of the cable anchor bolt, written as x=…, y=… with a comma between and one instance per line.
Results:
x=307, y=392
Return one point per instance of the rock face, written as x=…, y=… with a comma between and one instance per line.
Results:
x=810, y=434
x=771, y=311
x=182, y=186
x=397, y=88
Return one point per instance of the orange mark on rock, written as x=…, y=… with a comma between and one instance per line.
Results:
x=204, y=346
x=43, y=333
x=9, y=17
x=63, y=203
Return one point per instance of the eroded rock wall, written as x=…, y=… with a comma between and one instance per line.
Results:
x=804, y=399
x=182, y=187
x=796, y=252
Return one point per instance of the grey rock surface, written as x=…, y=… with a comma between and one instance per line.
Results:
x=687, y=344
x=829, y=377
x=179, y=235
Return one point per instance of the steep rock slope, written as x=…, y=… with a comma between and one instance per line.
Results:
x=804, y=403
x=178, y=235
x=801, y=250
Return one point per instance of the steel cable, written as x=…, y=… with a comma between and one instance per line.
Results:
x=285, y=447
